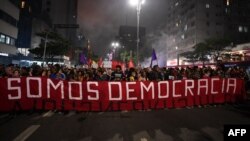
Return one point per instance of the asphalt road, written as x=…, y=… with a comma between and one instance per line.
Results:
x=195, y=124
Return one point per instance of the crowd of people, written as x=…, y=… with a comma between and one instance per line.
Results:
x=131, y=74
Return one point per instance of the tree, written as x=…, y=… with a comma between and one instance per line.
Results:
x=202, y=51
x=210, y=47
x=190, y=56
x=216, y=46
x=126, y=56
x=56, y=46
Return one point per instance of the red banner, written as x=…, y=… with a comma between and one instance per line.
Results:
x=47, y=94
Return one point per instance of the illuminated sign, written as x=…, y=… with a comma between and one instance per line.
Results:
x=4, y=54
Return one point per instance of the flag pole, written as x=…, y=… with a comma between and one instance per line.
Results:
x=153, y=57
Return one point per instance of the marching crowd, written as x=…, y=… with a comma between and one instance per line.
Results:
x=132, y=74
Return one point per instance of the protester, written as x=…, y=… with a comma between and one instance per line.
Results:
x=142, y=75
x=8, y=71
x=16, y=73
x=155, y=74
x=117, y=75
x=132, y=74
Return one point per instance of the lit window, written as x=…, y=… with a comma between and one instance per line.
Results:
x=183, y=36
x=185, y=28
x=2, y=38
x=177, y=24
x=7, y=40
x=207, y=5
x=245, y=29
x=23, y=4
x=228, y=2
x=12, y=41
x=177, y=3
x=240, y=28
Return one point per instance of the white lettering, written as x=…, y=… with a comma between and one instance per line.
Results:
x=212, y=86
x=128, y=90
x=202, y=86
x=50, y=83
x=174, y=83
x=29, y=95
x=119, y=92
x=231, y=84
x=93, y=91
x=223, y=85
x=243, y=131
x=167, y=89
x=18, y=96
x=71, y=97
x=231, y=132
x=188, y=88
x=237, y=131
x=144, y=87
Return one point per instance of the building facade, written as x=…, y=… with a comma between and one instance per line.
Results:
x=193, y=21
x=25, y=24
x=9, y=16
x=128, y=39
x=63, y=15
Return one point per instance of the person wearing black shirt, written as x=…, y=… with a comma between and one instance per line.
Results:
x=117, y=75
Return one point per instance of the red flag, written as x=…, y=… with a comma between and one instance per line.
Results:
x=90, y=62
x=131, y=64
x=100, y=62
x=114, y=63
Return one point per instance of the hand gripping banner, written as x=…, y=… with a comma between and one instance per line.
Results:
x=37, y=93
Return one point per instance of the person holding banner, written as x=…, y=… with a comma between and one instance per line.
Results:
x=132, y=75
x=99, y=75
x=142, y=75
x=8, y=72
x=117, y=75
x=155, y=74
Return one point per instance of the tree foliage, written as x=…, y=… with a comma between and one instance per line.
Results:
x=56, y=45
x=202, y=51
x=211, y=47
x=190, y=56
x=218, y=45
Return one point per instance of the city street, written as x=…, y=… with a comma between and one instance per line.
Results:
x=189, y=124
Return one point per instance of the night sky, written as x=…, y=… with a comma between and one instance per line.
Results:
x=100, y=19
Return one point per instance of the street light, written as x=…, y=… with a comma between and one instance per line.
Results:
x=177, y=55
x=45, y=46
x=115, y=45
x=138, y=4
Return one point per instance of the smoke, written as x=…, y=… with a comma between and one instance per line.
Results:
x=100, y=20
x=161, y=42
